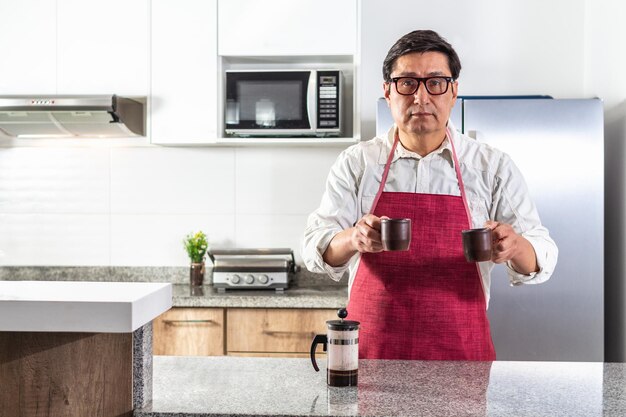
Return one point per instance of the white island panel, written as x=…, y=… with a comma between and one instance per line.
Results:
x=63, y=306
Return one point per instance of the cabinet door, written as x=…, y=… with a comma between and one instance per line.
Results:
x=184, y=72
x=189, y=331
x=287, y=27
x=274, y=330
x=28, y=45
x=103, y=47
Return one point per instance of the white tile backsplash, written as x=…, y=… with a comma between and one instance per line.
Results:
x=281, y=181
x=271, y=230
x=54, y=180
x=54, y=239
x=156, y=239
x=132, y=206
x=172, y=180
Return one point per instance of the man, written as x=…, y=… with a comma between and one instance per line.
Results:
x=427, y=303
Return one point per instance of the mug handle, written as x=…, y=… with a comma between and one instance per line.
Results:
x=319, y=338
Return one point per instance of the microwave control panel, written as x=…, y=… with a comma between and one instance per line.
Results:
x=328, y=95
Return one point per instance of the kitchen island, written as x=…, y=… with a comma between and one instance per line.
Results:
x=77, y=348
x=232, y=386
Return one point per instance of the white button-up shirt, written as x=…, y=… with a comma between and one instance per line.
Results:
x=494, y=186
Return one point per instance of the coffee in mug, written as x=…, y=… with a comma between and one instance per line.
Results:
x=477, y=244
x=395, y=234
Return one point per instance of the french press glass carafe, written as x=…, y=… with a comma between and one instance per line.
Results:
x=342, y=347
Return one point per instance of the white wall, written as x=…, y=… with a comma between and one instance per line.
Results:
x=505, y=47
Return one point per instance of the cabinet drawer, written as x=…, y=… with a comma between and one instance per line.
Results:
x=189, y=331
x=270, y=354
x=275, y=330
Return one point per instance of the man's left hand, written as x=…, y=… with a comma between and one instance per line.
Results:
x=510, y=246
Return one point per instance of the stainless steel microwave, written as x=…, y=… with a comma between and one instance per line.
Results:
x=283, y=103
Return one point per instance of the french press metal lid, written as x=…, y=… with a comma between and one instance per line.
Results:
x=342, y=325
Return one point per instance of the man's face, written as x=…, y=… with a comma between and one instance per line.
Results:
x=421, y=113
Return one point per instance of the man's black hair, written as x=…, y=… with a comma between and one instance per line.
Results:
x=421, y=41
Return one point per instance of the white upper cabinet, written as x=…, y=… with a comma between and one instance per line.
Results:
x=184, y=71
x=287, y=27
x=28, y=45
x=102, y=46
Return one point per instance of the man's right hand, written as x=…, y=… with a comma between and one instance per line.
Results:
x=363, y=237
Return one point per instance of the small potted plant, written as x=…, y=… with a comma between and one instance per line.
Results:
x=196, y=245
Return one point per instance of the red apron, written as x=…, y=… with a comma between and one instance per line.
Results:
x=427, y=303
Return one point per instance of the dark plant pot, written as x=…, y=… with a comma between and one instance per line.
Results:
x=196, y=273
x=196, y=290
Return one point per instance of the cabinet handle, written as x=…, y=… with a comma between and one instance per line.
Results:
x=283, y=333
x=175, y=322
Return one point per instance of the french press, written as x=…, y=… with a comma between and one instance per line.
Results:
x=342, y=347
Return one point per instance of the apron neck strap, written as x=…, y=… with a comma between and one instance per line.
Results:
x=396, y=139
x=457, y=169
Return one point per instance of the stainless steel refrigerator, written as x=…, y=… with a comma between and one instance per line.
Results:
x=558, y=144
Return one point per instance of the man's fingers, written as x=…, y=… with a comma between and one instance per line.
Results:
x=367, y=236
x=504, y=249
x=372, y=221
x=491, y=224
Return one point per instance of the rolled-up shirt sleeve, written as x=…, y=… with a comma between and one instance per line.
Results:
x=338, y=211
x=512, y=204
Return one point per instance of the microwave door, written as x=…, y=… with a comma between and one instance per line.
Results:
x=268, y=103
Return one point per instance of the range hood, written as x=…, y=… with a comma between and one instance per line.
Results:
x=72, y=116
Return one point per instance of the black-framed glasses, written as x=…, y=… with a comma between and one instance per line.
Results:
x=435, y=86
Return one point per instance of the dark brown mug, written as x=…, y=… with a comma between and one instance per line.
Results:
x=477, y=244
x=395, y=234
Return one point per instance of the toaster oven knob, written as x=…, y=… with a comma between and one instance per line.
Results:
x=235, y=279
x=249, y=279
x=263, y=279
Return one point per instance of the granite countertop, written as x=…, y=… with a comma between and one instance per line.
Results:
x=331, y=296
x=233, y=386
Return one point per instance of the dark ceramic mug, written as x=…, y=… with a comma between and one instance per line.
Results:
x=477, y=244
x=395, y=234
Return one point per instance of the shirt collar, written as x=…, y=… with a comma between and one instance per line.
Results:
x=444, y=151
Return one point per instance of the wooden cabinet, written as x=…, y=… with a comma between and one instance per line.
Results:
x=184, y=72
x=274, y=332
x=189, y=331
x=287, y=27
x=239, y=331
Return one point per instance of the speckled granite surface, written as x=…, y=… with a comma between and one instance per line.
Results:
x=307, y=290
x=177, y=275
x=173, y=274
x=294, y=297
x=142, y=366
x=231, y=386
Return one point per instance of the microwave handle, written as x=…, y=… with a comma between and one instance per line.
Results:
x=311, y=105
